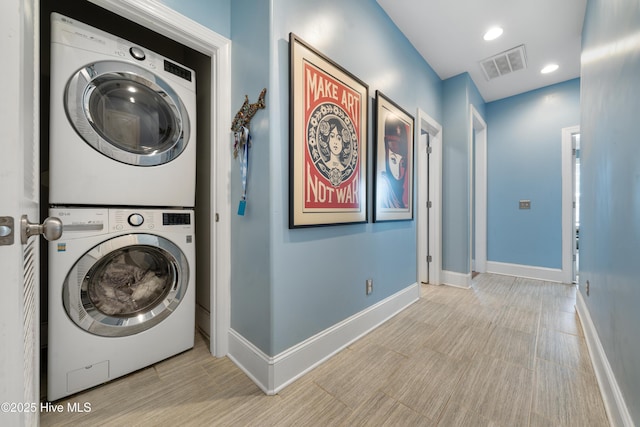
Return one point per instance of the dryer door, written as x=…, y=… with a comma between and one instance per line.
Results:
x=127, y=113
x=126, y=285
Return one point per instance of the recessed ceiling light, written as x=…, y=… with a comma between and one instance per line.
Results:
x=493, y=33
x=549, y=68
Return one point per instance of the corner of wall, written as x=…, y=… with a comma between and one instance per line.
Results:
x=614, y=402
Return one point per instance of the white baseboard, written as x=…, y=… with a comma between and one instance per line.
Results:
x=528, y=271
x=272, y=374
x=257, y=365
x=459, y=280
x=614, y=403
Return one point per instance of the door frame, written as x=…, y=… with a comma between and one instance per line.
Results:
x=568, y=198
x=478, y=192
x=166, y=21
x=429, y=220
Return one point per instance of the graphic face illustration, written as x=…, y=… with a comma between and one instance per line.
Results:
x=332, y=143
x=397, y=165
x=335, y=141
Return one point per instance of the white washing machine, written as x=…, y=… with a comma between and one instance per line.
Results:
x=123, y=122
x=121, y=294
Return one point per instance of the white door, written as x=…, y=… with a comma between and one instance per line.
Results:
x=19, y=195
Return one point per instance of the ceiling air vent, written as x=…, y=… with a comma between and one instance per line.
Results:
x=504, y=63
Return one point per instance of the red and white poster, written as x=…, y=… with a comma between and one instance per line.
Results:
x=328, y=141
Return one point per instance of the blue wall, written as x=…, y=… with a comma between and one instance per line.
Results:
x=524, y=162
x=610, y=185
x=287, y=285
x=213, y=14
x=319, y=273
x=251, y=308
x=455, y=176
x=459, y=93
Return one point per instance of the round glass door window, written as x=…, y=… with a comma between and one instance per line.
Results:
x=126, y=285
x=127, y=113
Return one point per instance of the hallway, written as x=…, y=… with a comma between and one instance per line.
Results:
x=507, y=352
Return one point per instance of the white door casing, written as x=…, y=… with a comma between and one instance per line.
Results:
x=429, y=220
x=478, y=136
x=161, y=19
x=568, y=199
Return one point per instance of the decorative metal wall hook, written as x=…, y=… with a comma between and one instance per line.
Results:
x=240, y=128
x=247, y=111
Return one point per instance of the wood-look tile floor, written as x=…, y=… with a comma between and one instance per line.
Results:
x=507, y=352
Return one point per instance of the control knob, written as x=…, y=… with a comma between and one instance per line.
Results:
x=137, y=53
x=135, y=220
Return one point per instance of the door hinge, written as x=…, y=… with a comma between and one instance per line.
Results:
x=429, y=258
x=429, y=149
x=429, y=204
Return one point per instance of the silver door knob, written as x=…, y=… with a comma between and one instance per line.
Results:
x=51, y=229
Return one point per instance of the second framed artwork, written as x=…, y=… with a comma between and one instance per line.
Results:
x=393, y=165
x=328, y=141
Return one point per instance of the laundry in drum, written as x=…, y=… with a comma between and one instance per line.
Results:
x=133, y=281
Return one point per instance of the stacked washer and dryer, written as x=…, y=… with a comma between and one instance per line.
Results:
x=122, y=180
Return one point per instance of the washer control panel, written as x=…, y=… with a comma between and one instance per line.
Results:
x=137, y=53
x=135, y=220
x=82, y=222
x=140, y=219
x=176, y=218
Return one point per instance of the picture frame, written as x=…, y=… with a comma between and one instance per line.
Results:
x=393, y=162
x=328, y=137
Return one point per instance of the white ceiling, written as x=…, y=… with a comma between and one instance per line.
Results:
x=448, y=34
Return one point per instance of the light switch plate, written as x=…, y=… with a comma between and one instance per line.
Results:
x=525, y=204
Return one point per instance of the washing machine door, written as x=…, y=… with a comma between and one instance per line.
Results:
x=126, y=285
x=127, y=113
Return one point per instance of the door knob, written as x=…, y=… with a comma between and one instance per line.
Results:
x=51, y=229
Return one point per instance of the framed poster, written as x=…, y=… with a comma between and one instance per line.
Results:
x=393, y=168
x=328, y=141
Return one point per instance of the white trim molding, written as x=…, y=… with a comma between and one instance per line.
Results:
x=429, y=220
x=478, y=135
x=528, y=271
x=568, y=199
x=614, y=403
x=459, y=280
x=156, y=16
x=273, y=373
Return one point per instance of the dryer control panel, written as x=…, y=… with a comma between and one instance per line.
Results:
x=70, y=32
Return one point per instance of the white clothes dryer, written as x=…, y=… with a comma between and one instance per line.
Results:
x=121, y=294
x=122, y=122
